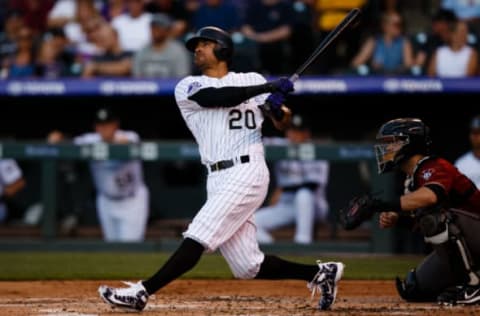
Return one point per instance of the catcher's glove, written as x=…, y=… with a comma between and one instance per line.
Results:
x=359, y=210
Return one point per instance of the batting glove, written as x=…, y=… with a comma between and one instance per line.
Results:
x=273, y=105
x=283, y=85
x=275, y=100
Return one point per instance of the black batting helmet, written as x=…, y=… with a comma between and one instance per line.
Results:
x=224, y=51
x=400, y=139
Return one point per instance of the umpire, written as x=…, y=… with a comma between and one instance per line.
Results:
x=440, y=201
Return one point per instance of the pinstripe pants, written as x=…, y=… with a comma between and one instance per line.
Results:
x=226, y=221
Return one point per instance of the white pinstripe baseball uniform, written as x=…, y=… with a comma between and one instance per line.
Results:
x=10, y=172
x=233, y=194
x=122, y=197
x=302, y=201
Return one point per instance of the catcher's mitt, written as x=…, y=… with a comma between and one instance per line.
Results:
x=359, y=210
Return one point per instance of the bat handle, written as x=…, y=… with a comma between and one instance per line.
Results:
x=294, y=77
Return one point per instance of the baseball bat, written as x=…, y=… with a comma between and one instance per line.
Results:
x=347, y=20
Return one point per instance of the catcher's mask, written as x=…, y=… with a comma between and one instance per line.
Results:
x=398, y=140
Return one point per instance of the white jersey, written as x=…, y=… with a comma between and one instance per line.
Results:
x=469, y=165
x=115, y=179
x=223, y=133
x=291, y=173
x=451, y=63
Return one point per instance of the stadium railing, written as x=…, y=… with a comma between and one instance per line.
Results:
x=49, y=155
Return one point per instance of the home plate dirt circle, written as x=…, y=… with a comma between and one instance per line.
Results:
x=215, y=297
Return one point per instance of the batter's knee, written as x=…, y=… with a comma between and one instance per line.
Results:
x=249, y=271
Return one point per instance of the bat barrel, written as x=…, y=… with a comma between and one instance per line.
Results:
x=349, y=18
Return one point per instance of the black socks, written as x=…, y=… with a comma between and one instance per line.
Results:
x=184, y=259
x=274, y=268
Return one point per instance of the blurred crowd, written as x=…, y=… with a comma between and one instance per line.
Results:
x=144, y=38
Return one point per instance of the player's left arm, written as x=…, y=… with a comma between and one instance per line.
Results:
x=233, y=96
x=423, y=197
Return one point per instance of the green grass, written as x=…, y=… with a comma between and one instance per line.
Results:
x=94, y=266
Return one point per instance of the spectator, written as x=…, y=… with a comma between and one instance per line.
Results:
x=164, y=58
x=133, y=27
x=216, y=13
x=467, y=11
x=268, y=24
x=47, y=65
x=456, y=59
x=113, y=9
x=21, y=63
x=85, y=12
x=300, y=196
x=427, y=44
x=122, y=197
x=469, y=163
x=34, y=13
x=11, y=182
x=55, y=58
x=174, y=9
x=114, y=61
x=66, y=54
x=390, y=52
x=64, y=11
x=88, y=48
x=302, y=37
x=13, y=24
x=327, y=14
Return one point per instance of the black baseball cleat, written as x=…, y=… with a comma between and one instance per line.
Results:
x=326, y=281
x=133, y=297
x=462, y=295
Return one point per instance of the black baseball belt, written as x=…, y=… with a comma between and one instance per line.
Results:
x=225, y=164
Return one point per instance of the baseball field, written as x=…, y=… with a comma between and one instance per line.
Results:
x=66, y=284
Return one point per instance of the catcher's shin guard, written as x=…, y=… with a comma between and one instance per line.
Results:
x=462, y=247
x=439, y=228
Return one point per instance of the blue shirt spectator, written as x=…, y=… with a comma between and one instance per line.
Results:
x=389, y=55
x=21, y=71
x=217, y=13
x=268, y=23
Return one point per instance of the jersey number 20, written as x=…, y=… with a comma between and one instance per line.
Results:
x=236, y=117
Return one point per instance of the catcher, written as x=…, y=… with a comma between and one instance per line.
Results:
x=439, y=201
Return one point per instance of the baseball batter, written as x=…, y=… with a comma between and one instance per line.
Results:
x=221, y=108
x=469, y=163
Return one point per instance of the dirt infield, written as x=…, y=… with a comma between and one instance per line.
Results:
x=220, y=297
